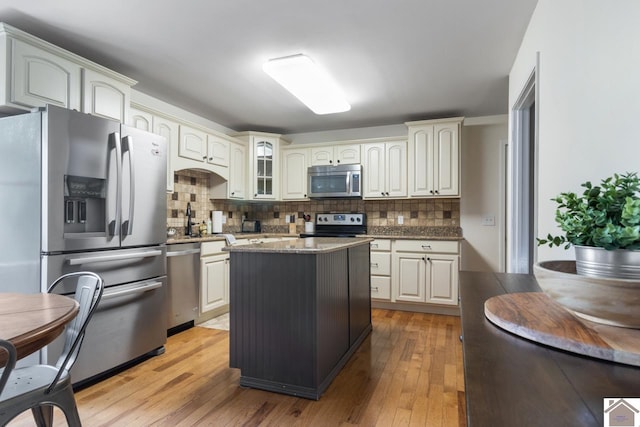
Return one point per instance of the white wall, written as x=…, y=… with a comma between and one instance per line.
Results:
x=588, y=96
x=482, y=194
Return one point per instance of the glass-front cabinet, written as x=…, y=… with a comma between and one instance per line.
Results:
x=264, y=176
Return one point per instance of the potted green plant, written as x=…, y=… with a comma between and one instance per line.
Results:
x=603, y=225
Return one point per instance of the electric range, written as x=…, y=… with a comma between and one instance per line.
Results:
x=339, y=225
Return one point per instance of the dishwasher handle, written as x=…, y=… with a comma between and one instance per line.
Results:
x=131, y=291
x=184, y=252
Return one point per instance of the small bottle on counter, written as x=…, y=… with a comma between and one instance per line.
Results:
x=208, y=225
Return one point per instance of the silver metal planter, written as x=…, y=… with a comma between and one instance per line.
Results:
x=598, y=262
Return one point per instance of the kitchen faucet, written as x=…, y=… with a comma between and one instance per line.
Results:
x=189, y=223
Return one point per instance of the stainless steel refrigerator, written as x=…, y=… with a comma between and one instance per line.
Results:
x=79, y=192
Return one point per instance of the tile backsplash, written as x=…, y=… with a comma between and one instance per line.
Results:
x=192, y=186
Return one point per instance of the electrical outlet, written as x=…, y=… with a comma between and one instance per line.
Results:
x=400, y=219
x=287, y=219
x=224, y=219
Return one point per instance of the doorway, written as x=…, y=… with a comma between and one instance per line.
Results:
x=521, y=196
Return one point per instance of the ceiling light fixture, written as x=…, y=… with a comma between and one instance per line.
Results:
x=302, y=77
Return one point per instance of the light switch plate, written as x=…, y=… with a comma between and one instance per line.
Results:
x=489, y=220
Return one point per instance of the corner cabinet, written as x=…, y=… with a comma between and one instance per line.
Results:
x=434, y=153
x=264, y=165
x=385, y=170
x=295, y=162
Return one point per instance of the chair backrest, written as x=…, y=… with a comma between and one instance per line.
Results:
x=11, y=362
x=88, y=293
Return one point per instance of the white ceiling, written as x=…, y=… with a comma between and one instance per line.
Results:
x=396, y=60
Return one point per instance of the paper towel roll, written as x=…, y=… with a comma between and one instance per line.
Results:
x=216, y=222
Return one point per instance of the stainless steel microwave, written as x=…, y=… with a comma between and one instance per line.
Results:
x=341, y=181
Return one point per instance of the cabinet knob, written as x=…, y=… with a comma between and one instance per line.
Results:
x=210, y=158
x=431, y=191
x=255, y=195
x=382, y=193
x=437, y=192
x=374, y=289
x=233, y=193
x=423, y=258
x=204, y=157
x=305, y=195
x=338, y=161
x=387, y=193
x=330, y=161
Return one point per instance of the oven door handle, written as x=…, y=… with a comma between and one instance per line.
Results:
x=141, y=289
x=116, y=257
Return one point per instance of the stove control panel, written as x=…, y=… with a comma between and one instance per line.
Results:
x=340, y=219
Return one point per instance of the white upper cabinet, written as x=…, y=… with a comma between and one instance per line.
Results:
x=295, y=162
x=434, y=153
x=34, y=73
x=237, y=171
x=264, y=165
x=140, y=119
x=335, y=155
x=170, y=131
x=104, y=96
x=385, y=169
x=193, y=144
x=38, y=77
x=217, y=150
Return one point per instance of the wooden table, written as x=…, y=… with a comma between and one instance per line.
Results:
x=31, y=321
x=512, y=381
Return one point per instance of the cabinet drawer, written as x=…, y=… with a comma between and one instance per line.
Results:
x=381, y=287
x=381, y=263
x=211, y=248
x=439, y=246
x=380, y=245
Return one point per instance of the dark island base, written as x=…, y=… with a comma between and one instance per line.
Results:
x=306, y=392
x=297, y=318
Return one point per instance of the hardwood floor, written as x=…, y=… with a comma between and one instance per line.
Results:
x=407, y=372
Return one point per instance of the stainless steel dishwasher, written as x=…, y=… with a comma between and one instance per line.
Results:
x=183, y=275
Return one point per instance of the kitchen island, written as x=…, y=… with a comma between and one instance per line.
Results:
x=298, y=310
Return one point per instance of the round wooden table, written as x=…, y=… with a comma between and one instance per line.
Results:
x=31, y=321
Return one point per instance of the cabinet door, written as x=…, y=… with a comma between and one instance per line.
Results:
x=442, y=281
x=39, y=78
x=421, y=148
x=446, y=160
x=170, y=131
x=215, y=282
x=264, y=159
x=374, y=170
x=217, y=151
x=321, y=156
x=396, y=169
x=141, y=119
x=347, y=154
x=193, y=144
x=104, y=96
x=294, y=174
x=237, y=172
x=409, y=275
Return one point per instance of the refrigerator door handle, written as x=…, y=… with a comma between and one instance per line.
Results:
x=127, y=146
x=114, y=144
x=138, y=290
x=115, y=257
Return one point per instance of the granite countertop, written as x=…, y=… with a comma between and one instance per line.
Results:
x=218, y=237
x=307, y=245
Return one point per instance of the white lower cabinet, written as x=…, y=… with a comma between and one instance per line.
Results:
x=381, y=269
x=415, y=274
x=214, y=280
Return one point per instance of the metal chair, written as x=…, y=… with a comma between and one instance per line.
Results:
x=40, y=387
x=11, y=362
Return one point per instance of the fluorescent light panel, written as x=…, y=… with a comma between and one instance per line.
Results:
x=300, y=76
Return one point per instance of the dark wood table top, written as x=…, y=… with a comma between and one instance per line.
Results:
x=512, y=381
x=31, y=321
